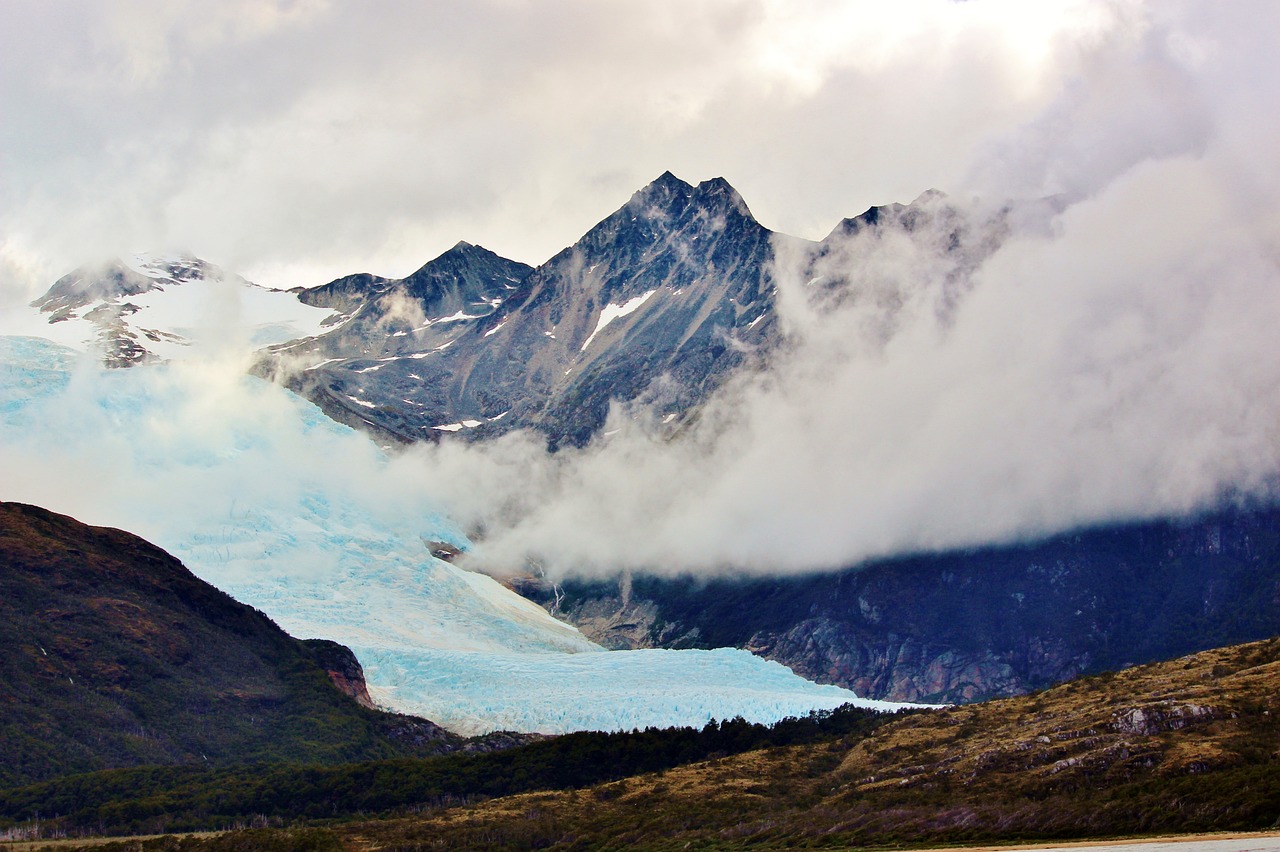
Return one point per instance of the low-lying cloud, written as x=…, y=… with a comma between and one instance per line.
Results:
x=1112, y=356
x=1105, y=351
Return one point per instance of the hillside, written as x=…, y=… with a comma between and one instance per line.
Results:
x=1186, y=745
x=116, y=655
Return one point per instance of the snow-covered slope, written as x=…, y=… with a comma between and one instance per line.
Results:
x=262, y=495
x=149, y=308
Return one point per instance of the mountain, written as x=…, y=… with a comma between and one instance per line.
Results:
x=656, y=306
x=116, y=655
x=152, y=308
x=367, y=370
x=659, y=302
x=968, y=625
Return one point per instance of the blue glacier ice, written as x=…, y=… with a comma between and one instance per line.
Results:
x=260, y=494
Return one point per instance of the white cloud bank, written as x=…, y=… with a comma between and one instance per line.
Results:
x=297, y=141
x=1116, y=358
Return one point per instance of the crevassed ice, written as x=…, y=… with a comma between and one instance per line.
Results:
x=262, y=495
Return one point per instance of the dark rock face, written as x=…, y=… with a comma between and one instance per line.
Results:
x=965, y=626
x=660, y=302
x=115, y=655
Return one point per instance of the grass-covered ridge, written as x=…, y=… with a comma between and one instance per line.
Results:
x=1187, y=745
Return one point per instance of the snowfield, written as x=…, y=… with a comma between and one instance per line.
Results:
x=221, y=309
x=260, y=494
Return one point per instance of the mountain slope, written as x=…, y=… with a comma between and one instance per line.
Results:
x=1188, y=745
x=116, y=655
x=964, y=626
x=660, y=301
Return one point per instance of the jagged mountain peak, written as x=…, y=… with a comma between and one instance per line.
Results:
x=459, y=254
x=667, y=197
x=663, y=299
x=718, y=192
x=908, y=216
x=664, y=184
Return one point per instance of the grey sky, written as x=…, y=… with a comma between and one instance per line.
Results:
x=1116, y=357
x=296, y=141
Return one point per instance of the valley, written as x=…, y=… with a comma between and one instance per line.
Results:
x=581, y=689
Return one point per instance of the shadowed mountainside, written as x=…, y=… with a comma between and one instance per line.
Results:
x=967, y=625
x=114, y=655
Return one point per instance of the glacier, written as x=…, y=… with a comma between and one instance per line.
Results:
x=262, y=495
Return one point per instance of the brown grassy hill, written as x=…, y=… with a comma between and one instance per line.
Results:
x=113, y=654
x=1187, y=745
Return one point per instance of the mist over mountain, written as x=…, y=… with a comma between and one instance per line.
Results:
x=660, y=303
x=150, y=308
x=263, y=496
x=718, y=397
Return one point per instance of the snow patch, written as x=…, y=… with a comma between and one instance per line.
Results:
x=458, y=317
x=612, y=312
x=457, y=427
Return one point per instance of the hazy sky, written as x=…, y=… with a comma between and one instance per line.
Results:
x=1115, y=357
x=297, y=141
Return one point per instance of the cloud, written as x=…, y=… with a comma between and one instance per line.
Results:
x=1109, y=354
x=298, y=141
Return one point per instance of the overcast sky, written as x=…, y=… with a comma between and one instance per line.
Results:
x=1115, y=357
x=297, y=140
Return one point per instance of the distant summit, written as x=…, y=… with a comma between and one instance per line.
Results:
x=660, y=301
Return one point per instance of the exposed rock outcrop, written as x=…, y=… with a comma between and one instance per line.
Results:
x=343, y=669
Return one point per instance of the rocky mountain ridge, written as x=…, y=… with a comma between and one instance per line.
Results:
x=660, y=301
